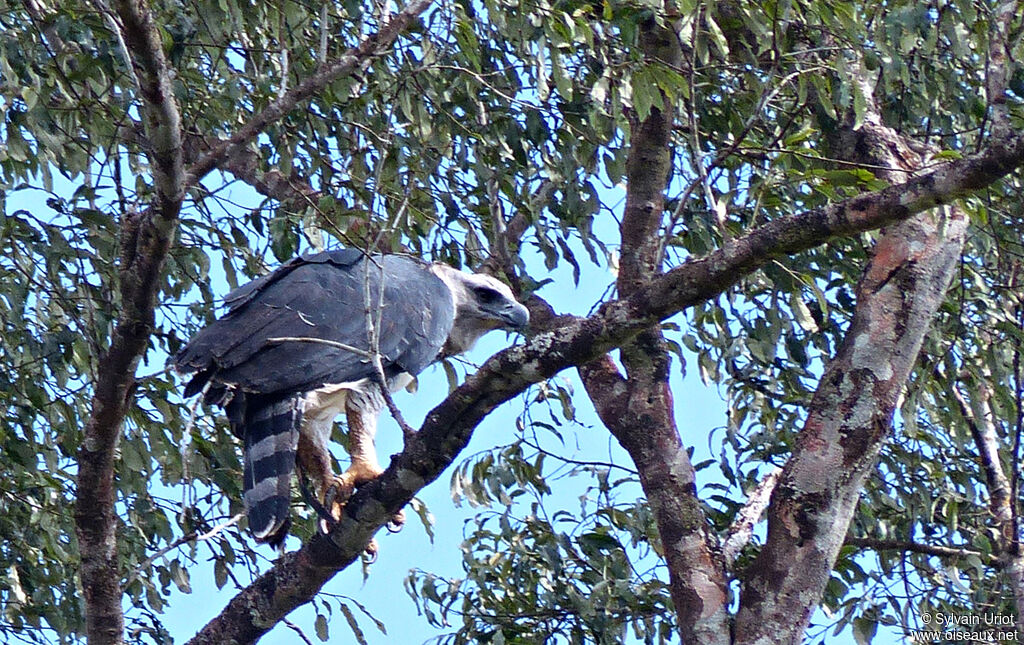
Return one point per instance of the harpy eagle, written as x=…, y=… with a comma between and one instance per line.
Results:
x=281, y=396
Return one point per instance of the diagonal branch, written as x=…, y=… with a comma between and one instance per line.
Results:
x=983, y=431
x=297, y=576
x=354, y=60
x=742, y=528
x=850, y=416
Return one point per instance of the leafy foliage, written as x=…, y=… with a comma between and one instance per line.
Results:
x=589, y=576
x=485, y=111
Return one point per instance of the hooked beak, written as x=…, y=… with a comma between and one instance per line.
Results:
x=516, y=316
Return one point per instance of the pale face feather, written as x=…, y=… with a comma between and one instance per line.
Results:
x=482, y=303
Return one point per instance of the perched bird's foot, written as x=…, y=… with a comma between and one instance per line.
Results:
x=338, y=489
x=337, y=492
x=397, y=522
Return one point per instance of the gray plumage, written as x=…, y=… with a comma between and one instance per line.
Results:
x=281, y=396
x=321, y=296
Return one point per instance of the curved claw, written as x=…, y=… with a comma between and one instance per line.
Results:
x=397, y=522
x=335, y=495
x=370, y=552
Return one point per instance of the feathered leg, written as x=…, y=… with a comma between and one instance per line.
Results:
x=362, y=408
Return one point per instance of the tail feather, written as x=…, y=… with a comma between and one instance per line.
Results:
x=270, y=434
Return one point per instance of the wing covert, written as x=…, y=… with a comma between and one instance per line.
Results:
x=322, y=296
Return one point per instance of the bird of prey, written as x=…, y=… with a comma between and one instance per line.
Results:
x=293, y=351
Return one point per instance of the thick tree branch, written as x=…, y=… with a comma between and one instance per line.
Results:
x=980, y=418
x=352, y=61
x=997, y=67
x=294, y=193
x=849, y=419
x=1001, y=488
x=638, y=409
x=297, y=576
x=145, y=241
x=850, y=415
x=159, y=110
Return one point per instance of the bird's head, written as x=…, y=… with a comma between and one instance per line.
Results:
x=482, y=303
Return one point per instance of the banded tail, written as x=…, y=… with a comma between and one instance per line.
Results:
x=269, y=427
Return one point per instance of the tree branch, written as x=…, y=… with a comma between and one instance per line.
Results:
x=917, y=547
x=297, y=576
x=696, y=577
x=742, y=527
x=160, y=111
x=145, y=242
x=354, y=60
x=193, y=536
x=850, y=415
x=1002, y=489
x=983, y=431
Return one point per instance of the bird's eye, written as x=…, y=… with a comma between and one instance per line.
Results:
x=486, y=295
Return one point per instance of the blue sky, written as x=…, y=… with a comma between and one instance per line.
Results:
x=383, y=593
x=700, y=410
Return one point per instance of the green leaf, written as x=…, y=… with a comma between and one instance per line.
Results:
x=220, y=573
x=864, y=630
x=469, y=46
x=645, y=93
x=352, y=623
x=860, y=106
x=717, y=35
x=322, y=630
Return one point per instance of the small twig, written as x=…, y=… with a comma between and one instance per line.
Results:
x=373, y=322
x=351, y=62
x=742, y=527
x=372, y=330
x=917, y=547
x=298, y=630
x=188, y=537
x=575, y=462
x=499, y=241
x=281, y=28
x=322, y=57
x=188, y=495
x=108, y=14
x=407, y=430
x=322, y=341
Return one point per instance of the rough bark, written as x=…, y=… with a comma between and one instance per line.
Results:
x=145, y=241
x=742, y=528
x=850, y=415
x=849, y=419
x=576, y=341
x=1004, y=503
x=981, y=421
x=638, y=408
